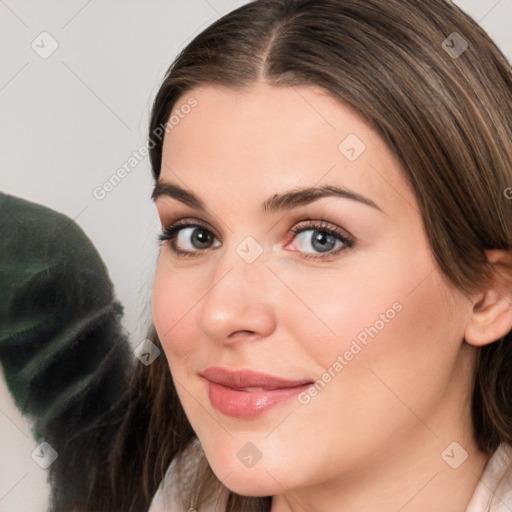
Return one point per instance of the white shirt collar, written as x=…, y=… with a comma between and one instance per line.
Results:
x=493, y=492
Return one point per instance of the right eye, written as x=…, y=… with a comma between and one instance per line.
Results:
x=187, y=239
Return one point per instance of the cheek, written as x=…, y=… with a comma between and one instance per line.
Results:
x=394, y=310
x=339, y=306
x=171, y=305
x=405, y=344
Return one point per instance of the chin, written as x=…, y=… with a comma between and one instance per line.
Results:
x=246, y=483
x=258, y=480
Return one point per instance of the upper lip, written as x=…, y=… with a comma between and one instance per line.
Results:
x=239, y=379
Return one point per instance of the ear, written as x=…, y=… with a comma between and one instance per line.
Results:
x=491, y=318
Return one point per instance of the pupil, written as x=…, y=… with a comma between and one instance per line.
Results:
x=326, y=240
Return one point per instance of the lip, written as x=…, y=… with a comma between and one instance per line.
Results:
x=247, y=394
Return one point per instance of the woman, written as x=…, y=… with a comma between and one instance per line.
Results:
x=393, y=312
x=333, y=295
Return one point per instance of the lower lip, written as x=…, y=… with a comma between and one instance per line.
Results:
x=249, y=404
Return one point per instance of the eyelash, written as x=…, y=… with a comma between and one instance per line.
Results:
x=170, y=233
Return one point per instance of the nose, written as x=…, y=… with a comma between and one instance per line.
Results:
x=239, y=303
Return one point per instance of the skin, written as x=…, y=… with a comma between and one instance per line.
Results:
x=372, y=438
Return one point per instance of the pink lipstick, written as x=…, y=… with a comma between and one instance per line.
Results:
x=246, y=394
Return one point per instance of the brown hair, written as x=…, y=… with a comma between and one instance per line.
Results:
x=446, y=116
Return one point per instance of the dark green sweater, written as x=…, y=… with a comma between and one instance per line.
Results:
x=65, y=357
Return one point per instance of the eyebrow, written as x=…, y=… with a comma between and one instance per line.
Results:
x=278, y=202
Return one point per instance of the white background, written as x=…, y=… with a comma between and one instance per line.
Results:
x=71, y=120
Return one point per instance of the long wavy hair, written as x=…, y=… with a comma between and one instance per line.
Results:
x=441, y=101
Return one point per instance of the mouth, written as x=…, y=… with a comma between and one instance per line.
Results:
x=247, y=394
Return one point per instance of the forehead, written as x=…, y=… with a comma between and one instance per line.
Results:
x=263, y=139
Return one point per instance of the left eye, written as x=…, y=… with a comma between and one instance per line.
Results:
x=321, y=239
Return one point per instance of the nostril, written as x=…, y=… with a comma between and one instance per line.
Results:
x=237, y=333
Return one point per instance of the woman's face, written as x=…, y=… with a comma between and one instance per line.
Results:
x=352, y=301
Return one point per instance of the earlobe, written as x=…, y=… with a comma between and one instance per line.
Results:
x=491, y=318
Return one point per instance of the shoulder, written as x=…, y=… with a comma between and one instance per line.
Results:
x=493, y=492
x=64, y=354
